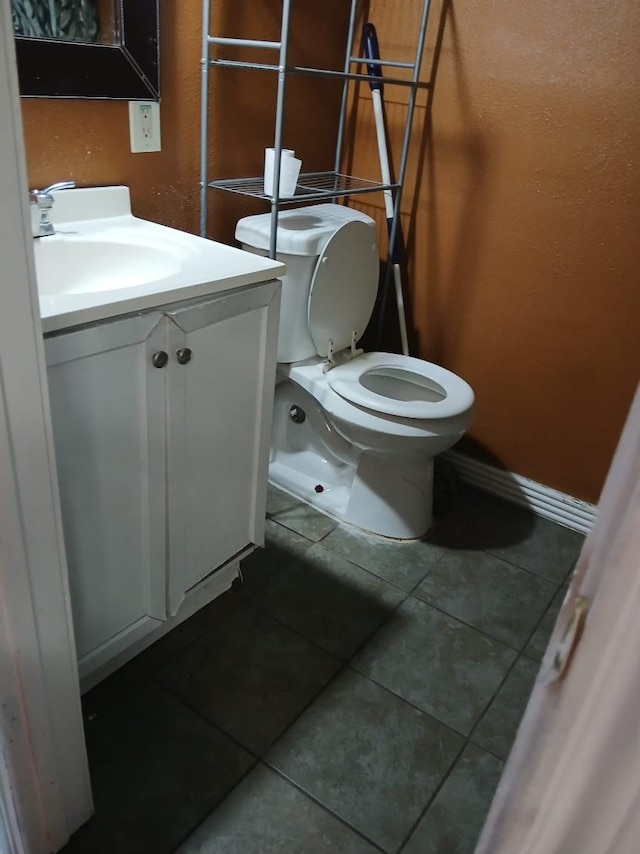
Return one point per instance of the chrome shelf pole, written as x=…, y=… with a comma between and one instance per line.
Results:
x=204, y=117
x=277, y=142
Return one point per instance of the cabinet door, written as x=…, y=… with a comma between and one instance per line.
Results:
x=220, y=407
x=107, y=404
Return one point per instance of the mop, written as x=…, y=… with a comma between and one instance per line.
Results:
x=372, y=51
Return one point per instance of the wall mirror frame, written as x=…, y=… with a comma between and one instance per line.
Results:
x=128, y=69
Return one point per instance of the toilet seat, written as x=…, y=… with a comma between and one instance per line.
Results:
x=310, y=376
x=401, y=386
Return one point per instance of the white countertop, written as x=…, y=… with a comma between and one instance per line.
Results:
x=196, y=267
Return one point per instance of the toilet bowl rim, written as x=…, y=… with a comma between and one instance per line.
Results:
x=345, y=380
x=309, y=375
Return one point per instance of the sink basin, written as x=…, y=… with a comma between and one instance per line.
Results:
x=68, y=265
x=103, y=262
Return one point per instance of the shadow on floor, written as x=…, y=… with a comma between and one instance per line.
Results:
x=467, y=518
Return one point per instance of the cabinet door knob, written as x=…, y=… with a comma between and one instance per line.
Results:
x=159, y=359
x=184, y=355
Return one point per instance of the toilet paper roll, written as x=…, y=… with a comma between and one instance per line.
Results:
x=289, y=171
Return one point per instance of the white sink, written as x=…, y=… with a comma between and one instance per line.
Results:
x=68, y=265
x=103, y=262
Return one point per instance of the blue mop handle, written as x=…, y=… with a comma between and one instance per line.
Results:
x=372, y=51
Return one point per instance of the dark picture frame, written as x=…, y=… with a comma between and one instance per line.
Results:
x=127, y=70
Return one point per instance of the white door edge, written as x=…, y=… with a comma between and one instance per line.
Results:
x=571, y=782
x=45, y=785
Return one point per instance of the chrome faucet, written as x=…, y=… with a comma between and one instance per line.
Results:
x=44, y=201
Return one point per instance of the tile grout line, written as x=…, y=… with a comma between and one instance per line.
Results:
x=151, y=673
x=483, y=632
x=518, y=650
x=299, y=533
x=523, y=568
x=406, y=702
x=486, y=708
x=319, y=803
x=344, y=666
x=521, y=654
x=207, y=815
x=174, y=655
x=172, y=693
x=359, y=566
x=368, y=637
x=260, y=760
x=537, y=626
x=435, y=794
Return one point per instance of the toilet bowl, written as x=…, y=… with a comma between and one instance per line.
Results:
x=354, y=433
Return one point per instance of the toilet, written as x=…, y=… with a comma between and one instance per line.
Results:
x=354, y=434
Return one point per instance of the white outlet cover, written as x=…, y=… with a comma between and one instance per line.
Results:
x=144, y=125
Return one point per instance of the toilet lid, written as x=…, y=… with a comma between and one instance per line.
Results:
x=402, y=386
x=344, y=287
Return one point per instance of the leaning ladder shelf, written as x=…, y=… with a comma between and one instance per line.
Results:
x=316, y=186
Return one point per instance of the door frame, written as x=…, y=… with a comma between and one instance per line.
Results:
x=45, y=791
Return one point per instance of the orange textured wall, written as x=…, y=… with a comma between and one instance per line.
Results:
x=88, y=141
x=521, y=214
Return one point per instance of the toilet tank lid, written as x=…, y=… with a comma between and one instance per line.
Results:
x=301, y=231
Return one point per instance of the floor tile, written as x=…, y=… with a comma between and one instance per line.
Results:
x=550, y=550
x=252, y=678
x=494, y=596
x=537, y=646
x=298, y=516
x=369, y=757
x=404, y=564
x=267, y=815
x=436, y=662
x=279, y=501
x=499, y=725
x=330, y=601
x=454, y=820
x=157, y=769
x=281, y=549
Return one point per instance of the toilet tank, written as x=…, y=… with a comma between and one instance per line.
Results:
x=302, y=235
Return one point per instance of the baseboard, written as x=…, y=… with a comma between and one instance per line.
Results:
x=542, y=500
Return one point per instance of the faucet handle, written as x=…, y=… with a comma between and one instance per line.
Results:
x=42, y=202
x=60, y=185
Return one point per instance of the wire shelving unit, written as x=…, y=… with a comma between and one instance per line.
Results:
x=315, y=186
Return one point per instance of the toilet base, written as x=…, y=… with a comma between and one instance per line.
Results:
x=390, y=501
x=311, y=460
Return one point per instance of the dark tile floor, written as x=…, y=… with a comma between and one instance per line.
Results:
x=352, y=695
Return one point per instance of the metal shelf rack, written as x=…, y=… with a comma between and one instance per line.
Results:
x=316, y=186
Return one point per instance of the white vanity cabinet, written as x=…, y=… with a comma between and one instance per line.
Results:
x=161, y=426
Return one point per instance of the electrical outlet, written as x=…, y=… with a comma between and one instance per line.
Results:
x=144, y=125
